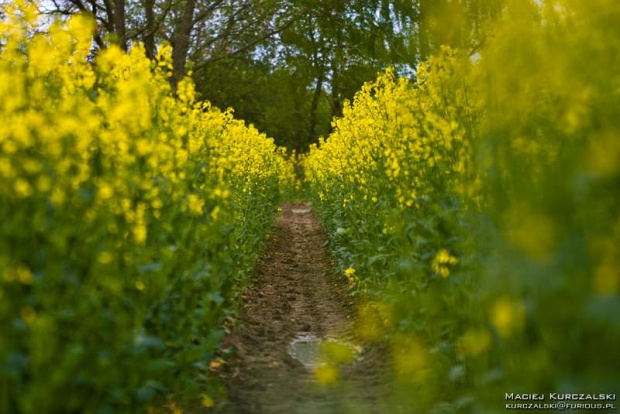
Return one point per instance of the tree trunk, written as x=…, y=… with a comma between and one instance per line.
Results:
x=423, y=31
x=149, y=36
x=338, y=59
x=180, y=42
x=119, y=23
x=315, y=105
x=336, y=102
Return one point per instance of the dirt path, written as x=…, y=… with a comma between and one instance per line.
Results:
x=295, y=294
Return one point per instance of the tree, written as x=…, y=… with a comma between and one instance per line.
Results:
x=288, y=65
x=201, y=31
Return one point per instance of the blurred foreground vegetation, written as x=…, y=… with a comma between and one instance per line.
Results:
x=478, y=207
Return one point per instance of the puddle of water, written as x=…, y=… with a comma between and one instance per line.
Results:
x=312, y=350
x=301, y=210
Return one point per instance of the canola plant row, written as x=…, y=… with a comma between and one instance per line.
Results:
x=129, y=212
x=477, y=207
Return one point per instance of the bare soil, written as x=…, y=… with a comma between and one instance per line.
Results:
x=294, y=291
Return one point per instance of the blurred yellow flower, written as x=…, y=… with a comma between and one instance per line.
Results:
x=195, y=205
x=326, y=374
x=474, y=342
x=105, y=257
x=24, y=275
x=28, y=314
x=411, y=360
x=207, y=401
x=508, y=316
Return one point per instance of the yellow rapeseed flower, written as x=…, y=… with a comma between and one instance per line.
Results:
x=195, y=205
x=508, y=316
x=326, y=374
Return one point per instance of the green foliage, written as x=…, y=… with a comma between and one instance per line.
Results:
x=276, y=99
x=292, y=85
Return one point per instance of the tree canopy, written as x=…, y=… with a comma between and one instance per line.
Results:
x=286, y=66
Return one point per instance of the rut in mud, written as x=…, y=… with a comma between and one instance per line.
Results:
x=295, y=294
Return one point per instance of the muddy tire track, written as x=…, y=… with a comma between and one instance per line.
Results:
x=295, y=291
